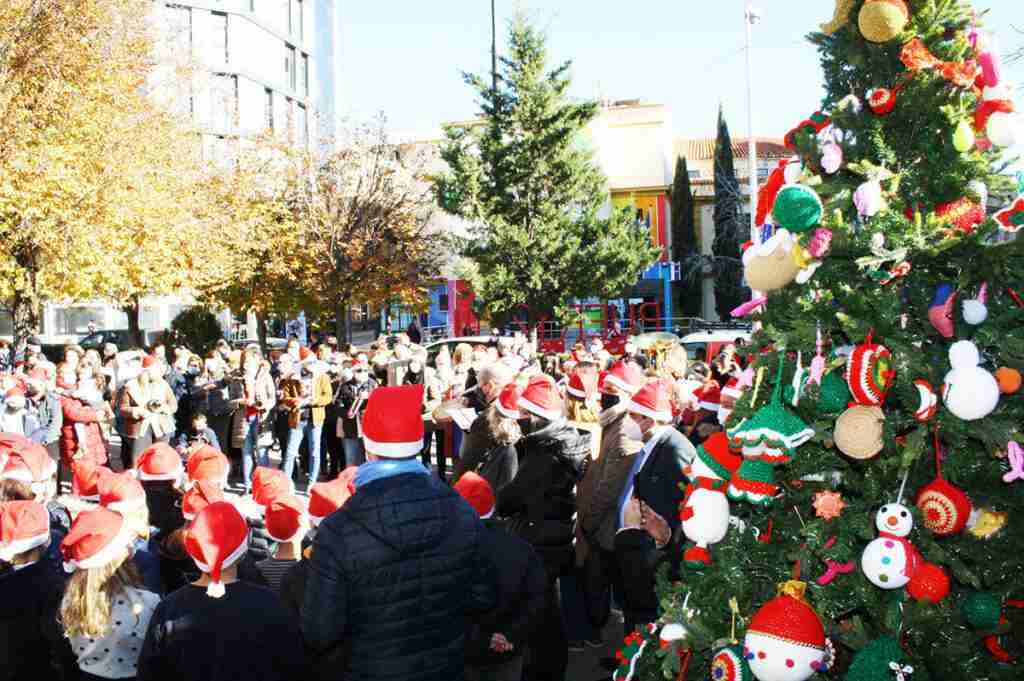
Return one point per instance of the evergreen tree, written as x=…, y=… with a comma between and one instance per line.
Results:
x=729, y=291
x=528, y=184
x=901, y=227
x=684, y=239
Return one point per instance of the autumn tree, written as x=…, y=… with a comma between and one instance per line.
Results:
x=365, y=225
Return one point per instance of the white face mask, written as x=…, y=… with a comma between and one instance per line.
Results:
x=723, y=415
x=631, y=430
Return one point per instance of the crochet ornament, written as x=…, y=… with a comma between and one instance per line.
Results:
x=785, y=640
x=890, y=561
x=982, y=610
x=834, y=394
x=963, y=137
x=930, y=583
x=882, y=101
x=831, y=158
x=1009, y=380
x=872, y=662
x=812, y=126
x=631, y=653
x=969, y=392
x=797, y=208
x=883, y=20
x=840, y=18
x=729, y=664
x=869, y=199
x=940, y=313
x=772, y=264
x=1011, y=218
x=769, y=437
x=858, y=432
x=962, y=215
x=870, y=372
x=974, y=309
x=705, y=508
x=944, y=506
x=927, y=401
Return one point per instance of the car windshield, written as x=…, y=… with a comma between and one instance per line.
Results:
x=96, y=338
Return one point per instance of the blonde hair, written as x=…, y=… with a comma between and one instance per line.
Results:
x=463, y=354
x=85, y=608
x=503, y=430
x=578, y=411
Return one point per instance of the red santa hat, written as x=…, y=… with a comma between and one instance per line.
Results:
x=208, y=463
x=393, y=422
x=732, y=389
x=582, y=386
x=121, y=492
x=541, y=398
x=305, y=354
x=283, y=518
x=24, y=525
x=199, y=496
x=626, y=376
x=98, y=537
x=653, y=401
x=159, y=462
x=268, y=484
x=32, y=465
x=708, y=396
x=327, y=497
x=717, y=456
x=477, y=492
x=216, y=540
x=148, y=361
x=85, y=478
x=507, y=403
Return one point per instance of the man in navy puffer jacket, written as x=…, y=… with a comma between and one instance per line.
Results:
x=397, y=572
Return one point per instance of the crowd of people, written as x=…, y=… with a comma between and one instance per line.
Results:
x=293, y=516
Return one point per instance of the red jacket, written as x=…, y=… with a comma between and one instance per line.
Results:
x=94, y=447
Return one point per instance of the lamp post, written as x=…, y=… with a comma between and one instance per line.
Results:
x=494, y=52
x=751, y=16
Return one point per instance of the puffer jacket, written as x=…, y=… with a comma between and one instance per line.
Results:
x=394, y=577
x=540, y=502
x=602, y=486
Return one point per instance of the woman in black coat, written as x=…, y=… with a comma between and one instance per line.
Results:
x=539, y=504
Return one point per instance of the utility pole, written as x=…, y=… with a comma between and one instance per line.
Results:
x=751, y=16
x=494, y=52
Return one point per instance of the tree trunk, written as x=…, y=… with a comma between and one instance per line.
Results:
x=132, y=309
x=261, y=332
x=24, y=315
x=341, y=320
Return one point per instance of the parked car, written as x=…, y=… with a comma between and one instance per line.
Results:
x=273, y=343
x=710, y=343
x=434, y=348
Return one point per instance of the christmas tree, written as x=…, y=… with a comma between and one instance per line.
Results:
x=875, y=469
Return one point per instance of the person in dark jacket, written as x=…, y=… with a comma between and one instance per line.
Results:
x=197, y=434
x=31, y=642
x=396, y=573
x=498, y=465
x=540, y=503
x=220, y=628
x=654, y=480
x=352, y=396
x=48, y=413
x=497, y=641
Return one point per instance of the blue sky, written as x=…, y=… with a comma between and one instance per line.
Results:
x=404, y=57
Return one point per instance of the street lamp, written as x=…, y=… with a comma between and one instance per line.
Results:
x=751, y=15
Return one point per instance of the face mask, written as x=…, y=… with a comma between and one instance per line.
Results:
x=609, y=401
x=415, y=367
x=723, y=415
x=631, y=430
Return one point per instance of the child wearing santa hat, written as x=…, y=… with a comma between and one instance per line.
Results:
x=105, y=609
x=237, y=630
x=31, y=644
x=286, y=523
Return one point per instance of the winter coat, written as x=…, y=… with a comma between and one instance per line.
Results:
x=187, y=438
x=347, y=396
x=393, y=577
x=314, y=408
x=522, y=588
x=49, y=419
x=541, y=500
x=92, y=446
x=138, y=396
x=264, y=392
x=601, y=487
x=658, y=481
x=210, y=402
x=32, y=645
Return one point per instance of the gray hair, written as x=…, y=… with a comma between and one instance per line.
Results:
x=499, y=372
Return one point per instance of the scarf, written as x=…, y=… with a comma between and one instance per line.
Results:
x=378, y=470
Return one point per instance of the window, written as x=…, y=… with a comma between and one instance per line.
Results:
x=219, y=38
x=289, y=65
x=762, y=173
x=252, y=6
x=75, y=320
x=304, y=75
x=270, y=108
x=295, y=18
x=694, y=174
x=149, y=318
x=302, y=20
x=289, y=115
x=303, y=124
x=223, y=102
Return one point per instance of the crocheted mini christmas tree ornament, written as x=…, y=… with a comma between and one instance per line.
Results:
x=773, y=433
x=754, y=482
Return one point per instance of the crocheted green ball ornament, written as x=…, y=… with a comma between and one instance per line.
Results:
x=982, y=610
x=797, y=208
x=872, y=662
x=834, y=393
